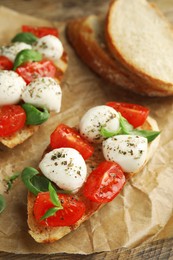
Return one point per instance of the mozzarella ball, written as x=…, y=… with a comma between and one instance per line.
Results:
x=43, y=92
x=129, y=151
x=96, y=118
x=12, y=50
x=65, y=167
x=50, y=47
x=11, y=86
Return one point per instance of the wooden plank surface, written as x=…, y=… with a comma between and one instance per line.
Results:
x=60, y=10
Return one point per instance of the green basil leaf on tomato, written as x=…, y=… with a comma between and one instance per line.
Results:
x=2, y=203
x=73, y=210
x=128, y=129
x=26, y=37
x=54, y=197
x=26, y=55
x=34, y=115
x=55, y=201
x=50, y=212
x=104, y=183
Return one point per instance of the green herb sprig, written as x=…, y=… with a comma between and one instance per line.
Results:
x=56, y=202
x=11, y=180
x=127, y=129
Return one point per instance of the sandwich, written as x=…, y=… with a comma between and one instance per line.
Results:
x=87, y=166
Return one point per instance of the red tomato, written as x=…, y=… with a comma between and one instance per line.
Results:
x=104, y=183
x=5, y=63
x=32, y=70
x=72, y=211
x=135, y=114
x=65, y=136
x=12, y=119
x=40, y=31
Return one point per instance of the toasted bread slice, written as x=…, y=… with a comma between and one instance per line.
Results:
x=26, y=132
x=43, y=234
x=141, y=39
x=87, y=37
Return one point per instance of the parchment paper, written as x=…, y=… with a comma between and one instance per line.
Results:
x=141, y=213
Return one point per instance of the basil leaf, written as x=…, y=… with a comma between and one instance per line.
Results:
x=50, y=212
x=26, y=55
x=26, y=177
x=54, y=197
x=128, y=129
x=150, y=135
x=2, y=203
x=55, y=200
x=11, y=179
x=40, y=182
x=34, y=116
x=107, y=134
x=26, y=37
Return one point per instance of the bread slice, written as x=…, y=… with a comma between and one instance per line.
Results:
x=43, y=234
x=140, y=37
x=26, y=132
x=87, y=37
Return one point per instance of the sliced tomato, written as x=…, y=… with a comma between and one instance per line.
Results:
x=5, y=63
x=32, y=70
x=72, y=211
x=40, y=31
x=12, y=119
x=135, y=114
x=65, y=136
x=104, y=183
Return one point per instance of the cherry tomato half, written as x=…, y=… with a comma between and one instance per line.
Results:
x=5, y=63
x=12, y=119
x=32, y=70
x=40, y=31
x=65, y=136
x=104, y=183
x=72, y=211
x=135, y=114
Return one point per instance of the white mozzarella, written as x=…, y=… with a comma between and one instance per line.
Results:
x=43, y=92
x=129, y=151
x=12, y=50
x=11, y=86
x=65, y=167
x=96, y=118
x=50, y=47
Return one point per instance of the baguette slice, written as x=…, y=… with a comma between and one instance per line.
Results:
x=87, y=37
x=43, y=234
x=139, y=36
x=26, y=132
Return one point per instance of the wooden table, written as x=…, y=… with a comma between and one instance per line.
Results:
x=60, y=10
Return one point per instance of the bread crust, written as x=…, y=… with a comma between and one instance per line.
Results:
x=43, y=234
x=84, y=38
x=157, y=87
x=27, y=131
